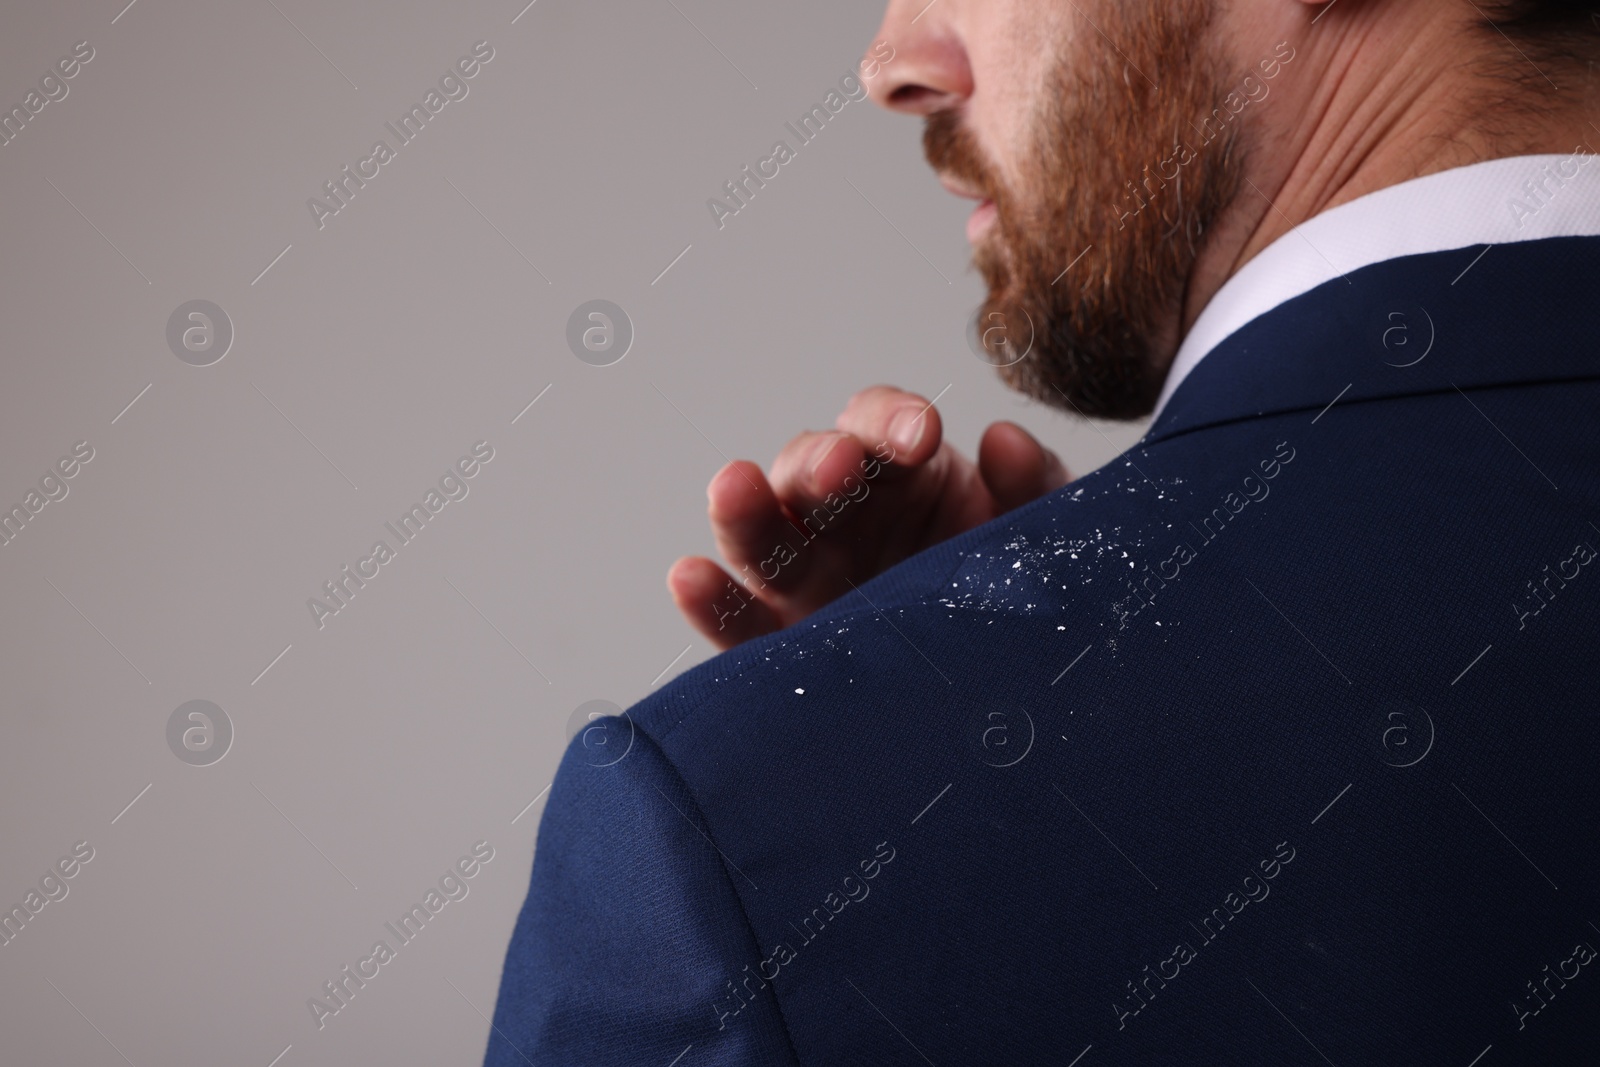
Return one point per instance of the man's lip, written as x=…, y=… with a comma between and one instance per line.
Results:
x=956, y=189
x=982, y=218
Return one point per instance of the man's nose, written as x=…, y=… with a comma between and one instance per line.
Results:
x=929, y=70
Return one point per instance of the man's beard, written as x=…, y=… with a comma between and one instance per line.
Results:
x=1104, y=143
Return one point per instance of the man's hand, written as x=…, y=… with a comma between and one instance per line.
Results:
x=843, y=505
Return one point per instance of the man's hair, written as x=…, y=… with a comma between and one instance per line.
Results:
x=1535, y=16
x=1555, y=30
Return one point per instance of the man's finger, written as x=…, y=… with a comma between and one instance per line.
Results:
x=1016, y=468
x=893, y=425
x=819, y=478
x=750, y=526
x=812, y=466
x=723, y=611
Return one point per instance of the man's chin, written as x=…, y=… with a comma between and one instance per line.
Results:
x=1105, y=391
x=1051, y=336
x=1106, y=374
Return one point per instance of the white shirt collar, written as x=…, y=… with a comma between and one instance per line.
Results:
x=1495, y=202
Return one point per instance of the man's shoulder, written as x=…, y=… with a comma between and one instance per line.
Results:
x=1100, y=727
x=1118, y=766
x=937, y=580
x=1063, y=570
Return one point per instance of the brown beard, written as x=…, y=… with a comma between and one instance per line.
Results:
x=1100, y=176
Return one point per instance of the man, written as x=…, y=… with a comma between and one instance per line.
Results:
x=1271, y=742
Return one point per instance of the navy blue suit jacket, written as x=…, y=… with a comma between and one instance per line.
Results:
x=1272, y=742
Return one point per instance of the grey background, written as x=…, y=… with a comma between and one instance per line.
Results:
x=428, y=713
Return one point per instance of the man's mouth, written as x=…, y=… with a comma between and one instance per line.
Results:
x=980, y=220
x=983, y=216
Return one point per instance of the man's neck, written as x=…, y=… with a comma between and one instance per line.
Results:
x=1387, y=92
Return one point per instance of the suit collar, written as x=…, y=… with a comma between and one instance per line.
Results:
x=1467, y=209
x=1515, y=314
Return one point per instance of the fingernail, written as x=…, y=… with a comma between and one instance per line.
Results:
x=905, y=429
x=821, y=451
